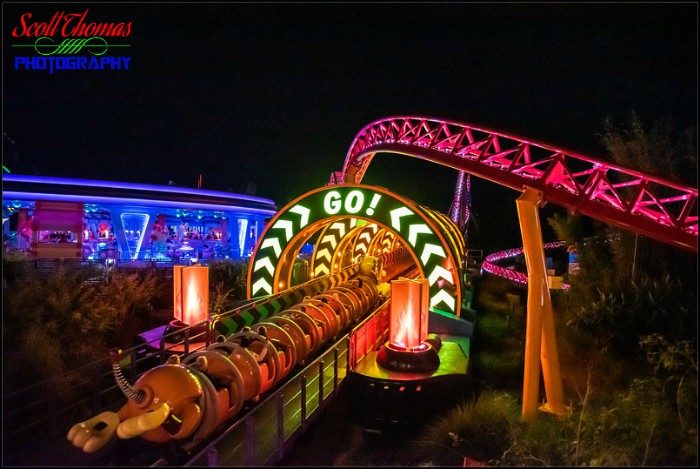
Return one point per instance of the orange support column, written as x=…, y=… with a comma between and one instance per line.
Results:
x=540, y=337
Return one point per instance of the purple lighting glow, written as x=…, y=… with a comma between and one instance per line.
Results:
x=128, y=185
x=130, y=201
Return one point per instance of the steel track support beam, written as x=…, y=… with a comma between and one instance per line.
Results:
x=540, y=336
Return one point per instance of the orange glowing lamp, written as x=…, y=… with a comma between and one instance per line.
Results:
x=191, y=293
x=409, y=313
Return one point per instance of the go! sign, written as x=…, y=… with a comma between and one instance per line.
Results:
x=292, y=225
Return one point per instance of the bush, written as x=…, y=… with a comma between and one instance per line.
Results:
x=227, y=282
x=481, y=429
x=617, y=319
x=59, y=320
x=634, y=427
x=633, y=411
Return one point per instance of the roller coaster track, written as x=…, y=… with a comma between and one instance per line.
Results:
x=490, y=264
x=632, y=200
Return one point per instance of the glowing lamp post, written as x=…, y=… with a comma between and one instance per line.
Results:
x=191, y=293
x=409, y=348
x=409, y=313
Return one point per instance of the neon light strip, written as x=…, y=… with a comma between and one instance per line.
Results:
x=125, y=201
x=144, y=223
x=131, y=185
x=242, y=234
x=4, y=168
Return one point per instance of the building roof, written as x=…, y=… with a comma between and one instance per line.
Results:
x=90, y=191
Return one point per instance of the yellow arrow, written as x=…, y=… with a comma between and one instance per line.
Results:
x=264, y=262
x=331, y=239
x=286, y=225
x=304, y=212
x=396, y=215
x=274, y=243
x=262, y=285
x=414, y=230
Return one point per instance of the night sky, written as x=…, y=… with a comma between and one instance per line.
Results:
x=273, y=94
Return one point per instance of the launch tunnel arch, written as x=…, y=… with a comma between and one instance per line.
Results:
x=431, y=248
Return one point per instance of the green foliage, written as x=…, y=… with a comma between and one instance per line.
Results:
x=548, y=441
x=227, y=281
x=501, y=369
x=569, y=228
x=481, y=429
x=653, y=148
x=221, y=298
x=674, y=363
x=618, y=319
x=59, y=320
x=127, y=300
x=498, y=332
x=633, y=428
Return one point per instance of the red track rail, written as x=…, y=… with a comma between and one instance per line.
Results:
x=638, y=202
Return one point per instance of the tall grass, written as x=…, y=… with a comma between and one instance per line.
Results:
x=635, y=427
x=60, y=320
x=481, y=429
x=227, y=282
x=632, y=398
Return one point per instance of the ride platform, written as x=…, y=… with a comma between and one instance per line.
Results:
x=400, y=402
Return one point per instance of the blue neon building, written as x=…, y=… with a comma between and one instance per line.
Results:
x=50, y=217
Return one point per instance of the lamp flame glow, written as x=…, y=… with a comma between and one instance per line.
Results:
x=191, y=293
x=409, y=312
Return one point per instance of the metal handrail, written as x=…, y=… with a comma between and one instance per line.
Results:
x=44, y=395
x=331, y=359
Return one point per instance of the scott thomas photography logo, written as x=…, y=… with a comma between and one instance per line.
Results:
x=70, y=41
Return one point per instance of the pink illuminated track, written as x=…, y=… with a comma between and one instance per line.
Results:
x=489, y=265
x=629, y=199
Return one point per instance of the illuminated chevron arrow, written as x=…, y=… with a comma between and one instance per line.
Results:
x=274, y=243
x=321, y=269
x=264, y=262
x=286, y=225
x=439, y=272
x=341, y=226
x=324, y=253
x=331, y=239
x=396, y=215
x=366, y=236
x=262, y=285
x=414, y=230
x=304, y=212
x=429, y=250
x=385, y=245
x=443, y=296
